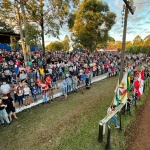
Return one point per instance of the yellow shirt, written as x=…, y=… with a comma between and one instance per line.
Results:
x=41, y=71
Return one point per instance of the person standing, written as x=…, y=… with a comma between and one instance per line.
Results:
x=3, y=114
x=55, y=80
x=129, y=102
x=14, y=78
x=51, y=91
x=20, y=96
x=26, y=91
x=10, y=109
x=69, y=84
x=44, y=90
x=75, y=82
x=5, y=88
x=64, y=88
x=34, y=92
x=15, y=86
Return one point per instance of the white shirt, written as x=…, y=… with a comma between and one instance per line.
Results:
x=58, y=65
x=50, y=71
x=109, y=111
x=5, y=88
x=26, y=90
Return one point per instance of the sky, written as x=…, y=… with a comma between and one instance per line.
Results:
x=138, y=24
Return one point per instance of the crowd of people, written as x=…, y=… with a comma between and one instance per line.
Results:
x=22, y=83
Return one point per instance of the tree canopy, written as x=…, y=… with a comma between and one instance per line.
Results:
x=91, y=23
x=57, y=45
x=5, y=27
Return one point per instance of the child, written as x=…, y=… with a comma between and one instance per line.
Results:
x=3, y=113
x=44, y=90
x=51, y=91
x=15, y=92
x=34, y=92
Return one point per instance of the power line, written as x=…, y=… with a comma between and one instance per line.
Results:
x=137, y=29
x=142, y=3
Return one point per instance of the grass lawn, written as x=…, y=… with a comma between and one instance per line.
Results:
x=66, y=124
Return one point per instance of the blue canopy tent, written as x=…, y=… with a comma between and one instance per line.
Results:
x=33, y=49
x=5, y=47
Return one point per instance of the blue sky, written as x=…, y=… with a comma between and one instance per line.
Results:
x=138, y=24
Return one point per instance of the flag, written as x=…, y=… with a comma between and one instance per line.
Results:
x=128, y=80
x=139, y=84
x=141, y=81
x=116, y=98
x=123, y=88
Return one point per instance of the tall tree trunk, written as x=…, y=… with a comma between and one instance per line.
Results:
x=42, y=26
x=22, y=4
x=21, y=31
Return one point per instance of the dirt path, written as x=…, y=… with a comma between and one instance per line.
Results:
x=141, y=136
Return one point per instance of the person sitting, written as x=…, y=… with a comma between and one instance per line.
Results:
x=110, y=110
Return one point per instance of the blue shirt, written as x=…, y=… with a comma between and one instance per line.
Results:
x=69, y=81
x=34, y=90
x=83, y=77
x=64, y=84
x=16, y=69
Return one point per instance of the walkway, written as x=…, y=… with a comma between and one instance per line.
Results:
x=57, y=93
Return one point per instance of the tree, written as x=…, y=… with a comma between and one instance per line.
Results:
x=138, y=41
x=91, y=23
x=10, y=12
x=118, y=45
x=55, y=46
x=33, y=34
x=147, y=41
x=111, y=43
x=65, y=43
x=128, y=46
x=50, y=15
x=5, y=27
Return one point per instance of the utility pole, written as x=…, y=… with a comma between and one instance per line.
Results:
x=128, y=7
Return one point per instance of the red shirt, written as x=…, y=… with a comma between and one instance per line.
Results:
x=1, y=58
x=44, y=91
x=18, y=63
x=112, y=69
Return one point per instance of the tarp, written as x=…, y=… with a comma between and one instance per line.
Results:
x=5, y=47
x=8, y=48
